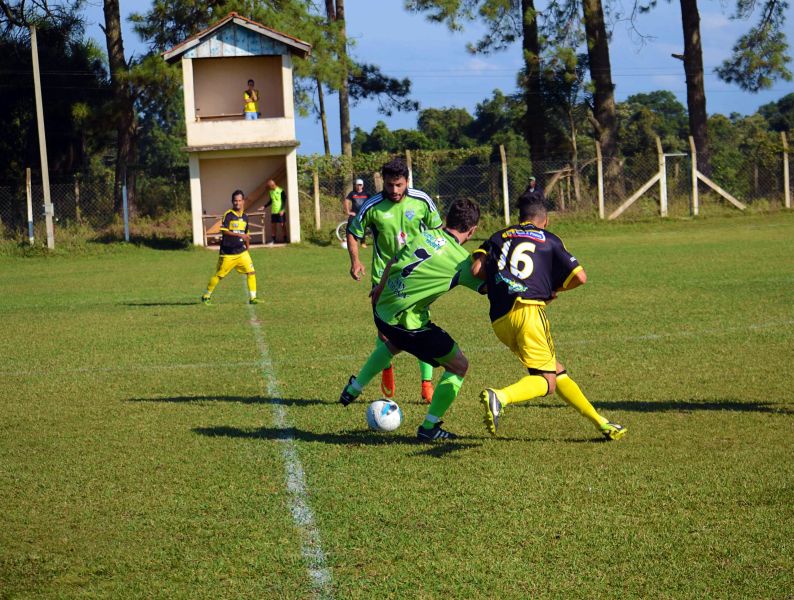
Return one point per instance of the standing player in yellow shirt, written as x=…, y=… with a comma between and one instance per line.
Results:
x=250, y=102
x=234, y=250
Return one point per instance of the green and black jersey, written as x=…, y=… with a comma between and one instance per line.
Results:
x=393, y=225
x=235, y=223
x=432, y=264
x=525, y=263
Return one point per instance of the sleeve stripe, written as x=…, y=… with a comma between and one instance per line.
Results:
x=368, y=204
x=420, y=195
x=571, y=276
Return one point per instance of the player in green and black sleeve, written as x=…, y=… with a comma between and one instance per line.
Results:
x=431, y=265
x=395, y=216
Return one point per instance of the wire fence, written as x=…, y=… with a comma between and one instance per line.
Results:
x=570, y=186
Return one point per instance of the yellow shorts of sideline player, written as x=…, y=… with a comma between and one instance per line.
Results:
x=242, y=262
x=525, y=330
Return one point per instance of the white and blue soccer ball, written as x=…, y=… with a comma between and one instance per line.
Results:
x=384, y=415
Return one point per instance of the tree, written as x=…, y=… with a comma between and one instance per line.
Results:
x=123, y=110
x=759, y=56
x=695, y=91
x=604, y=110
x=335, y=10
x=446, y=127
x=780, y=114
x=507, y=21
x=74, y=87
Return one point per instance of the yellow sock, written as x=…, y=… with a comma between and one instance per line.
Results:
x=526, y=388
x=251, y=280
x=568, y=390
x=214, y=281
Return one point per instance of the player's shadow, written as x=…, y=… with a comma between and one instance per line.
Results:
x=685, y=406
x=235, y=399
x=346, y=438
x=175, y=303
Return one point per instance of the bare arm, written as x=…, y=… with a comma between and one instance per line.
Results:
x=348, y=207
x=478, y=266
x=376, y=291
x=357, y=270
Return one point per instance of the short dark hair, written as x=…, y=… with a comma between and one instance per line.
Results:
x=396, y=167
x=238, y=193
x=250, y=81
x=529, y=208
x=463, y=214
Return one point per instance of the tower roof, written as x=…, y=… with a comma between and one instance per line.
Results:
x=227, y=44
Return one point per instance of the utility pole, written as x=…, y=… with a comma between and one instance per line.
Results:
x=45, y=170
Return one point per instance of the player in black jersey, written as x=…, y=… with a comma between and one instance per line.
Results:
x=525, y=266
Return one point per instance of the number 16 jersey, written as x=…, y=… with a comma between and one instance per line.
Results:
x=525, y=264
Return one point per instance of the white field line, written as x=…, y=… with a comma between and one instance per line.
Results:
x=302, y=515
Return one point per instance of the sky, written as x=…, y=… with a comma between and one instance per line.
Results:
x=444, y=74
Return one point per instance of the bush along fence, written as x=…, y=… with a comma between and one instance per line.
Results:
x=655, y=182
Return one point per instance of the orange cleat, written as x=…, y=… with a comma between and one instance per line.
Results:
x=427, y=391
x=387, y=382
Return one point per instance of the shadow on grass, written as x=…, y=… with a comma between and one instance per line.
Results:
x=240, y=399
x=155, y=242
x=686, y=406
x=347, y=438
x=176, y=303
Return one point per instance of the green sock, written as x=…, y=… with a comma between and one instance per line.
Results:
x=445, y=393
x=377, y=361
x=426, y=370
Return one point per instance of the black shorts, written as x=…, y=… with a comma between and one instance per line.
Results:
x=277, y=218
x=428, y=344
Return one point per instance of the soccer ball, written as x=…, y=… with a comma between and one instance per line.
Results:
x=384, y=415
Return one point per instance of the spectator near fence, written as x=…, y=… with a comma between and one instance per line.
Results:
x=534, y=192
x=354, y=201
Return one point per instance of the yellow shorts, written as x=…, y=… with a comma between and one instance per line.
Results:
x=242, y=262
x=525, y=330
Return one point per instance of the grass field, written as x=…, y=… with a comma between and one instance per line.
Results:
x=154, y=447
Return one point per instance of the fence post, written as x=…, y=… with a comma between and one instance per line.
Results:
x=29, y=194
x=125, y=210
x=695, y=206
x=316, y=177
x=410, y=165
x=786, y=183
x=505, y=192
x=77, y=215
x=662, y=179
x=378, y=179
x=600, y=176
x=45, y=170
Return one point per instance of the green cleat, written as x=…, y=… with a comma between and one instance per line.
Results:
x=254, y=301
x=613, y=431
x=493, y=408
x=206, y=300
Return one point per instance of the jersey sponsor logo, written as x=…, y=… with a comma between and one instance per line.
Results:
x=397, y=286
x=514, y=286
x=538, y=236
x=434, y=241
x=409, y=214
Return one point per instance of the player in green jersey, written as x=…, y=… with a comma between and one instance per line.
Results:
x=525, y=266
x=422, y=271
x=395, y=216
